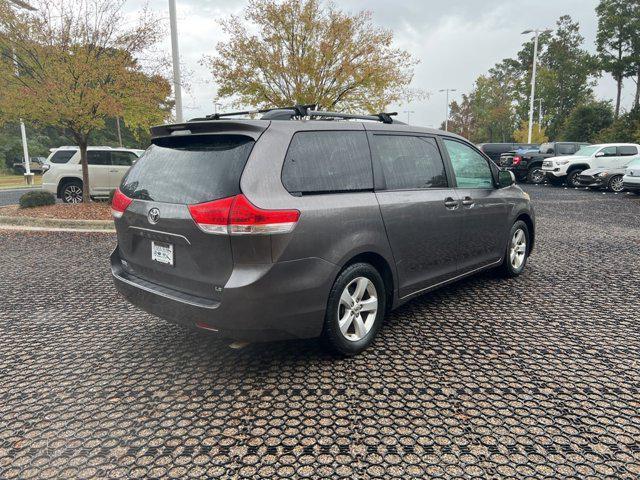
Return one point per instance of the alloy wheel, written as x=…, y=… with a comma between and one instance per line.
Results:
x=518, y=249
x=537, y=175
x=73, y=194
x=357, y=308
x=616, y=184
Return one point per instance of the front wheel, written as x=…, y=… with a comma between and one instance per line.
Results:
x=616, y=184
x=517, y=252
x=355, y=309
x=535, y=175
x=572, y=178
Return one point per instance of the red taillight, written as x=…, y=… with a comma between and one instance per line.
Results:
x=517, y=159
x=119, y=203
x=238, y=216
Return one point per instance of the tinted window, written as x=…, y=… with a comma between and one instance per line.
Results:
x=62, y=156
x=123, y=158
x=470, y=168
x=327, y=162
x=565, y=149
x=98, y=157
x=189, y=169
x=627, y=150
x=409, y=162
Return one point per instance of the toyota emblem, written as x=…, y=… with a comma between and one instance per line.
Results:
x=153, y=216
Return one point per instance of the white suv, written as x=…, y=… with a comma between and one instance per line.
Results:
x=610, y=155
x=107, y=166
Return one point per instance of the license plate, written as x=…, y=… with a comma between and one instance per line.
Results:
x=162, y=253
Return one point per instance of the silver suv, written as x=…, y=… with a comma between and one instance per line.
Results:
x=309, y=224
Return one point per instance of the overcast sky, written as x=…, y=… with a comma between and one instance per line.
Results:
x=455, y=41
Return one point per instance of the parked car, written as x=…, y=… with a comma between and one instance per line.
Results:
x=631, y=179
x=35, y=165
x=527, y=166
x=107, y=166
x=262, y=229
x=609, y=178
x=494, y=150
x=567, y=168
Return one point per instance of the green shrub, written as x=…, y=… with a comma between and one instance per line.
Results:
x=37, y=198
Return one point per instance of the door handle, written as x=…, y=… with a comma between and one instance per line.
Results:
x=467, y=201
x=113, y=171
x=450, y=203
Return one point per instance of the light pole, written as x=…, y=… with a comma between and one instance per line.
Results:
x=446, y=118
x=175, y=54
x=408, y=112
x=23, y=132
x=536, y=33
x=540, y=116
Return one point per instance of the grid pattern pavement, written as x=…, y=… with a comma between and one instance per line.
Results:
x=534, y=377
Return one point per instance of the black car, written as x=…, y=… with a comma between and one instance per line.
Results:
x=494, y=150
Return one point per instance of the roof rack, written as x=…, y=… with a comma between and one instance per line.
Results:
x=302, y=111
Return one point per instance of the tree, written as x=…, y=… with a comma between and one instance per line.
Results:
x=586, y=121
x=614, y=41
x=461, y=118
x=72, y=64
x=538, y=134
x=566, y=74
x=625, y=128
x=304, y=52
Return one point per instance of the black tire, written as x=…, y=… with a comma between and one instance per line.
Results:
x=536, y=175
x=507, y=268
x=572, y=177
x=69, y=191
x=555, y=181
x=332, y=334
x=615, y=184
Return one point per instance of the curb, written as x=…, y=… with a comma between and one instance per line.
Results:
x=56, y=224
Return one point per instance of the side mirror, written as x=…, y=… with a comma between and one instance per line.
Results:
x=600, y=154
x=506, y=178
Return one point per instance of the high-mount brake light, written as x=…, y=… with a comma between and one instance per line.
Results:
x=119, y=203
x=238, y=216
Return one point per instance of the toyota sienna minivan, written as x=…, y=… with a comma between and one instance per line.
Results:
x=305, y=224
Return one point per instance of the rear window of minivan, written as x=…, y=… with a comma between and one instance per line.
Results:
x=189, y=169
x=327, y=162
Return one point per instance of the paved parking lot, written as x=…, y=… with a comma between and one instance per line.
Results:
x=537, y=377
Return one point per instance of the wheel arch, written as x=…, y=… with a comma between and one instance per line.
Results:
x=381, y=264
x=582, y=166
x=526, y=218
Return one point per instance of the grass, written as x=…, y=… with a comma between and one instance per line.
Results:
x=10, y=180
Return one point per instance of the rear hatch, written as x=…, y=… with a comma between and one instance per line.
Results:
x=158, y=238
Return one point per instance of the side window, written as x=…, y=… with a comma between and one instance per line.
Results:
x=62, y=156
x=98, y=157
x=627, y=150
x=329, y=161
x=470, y=168
x=123, y=158
x=409, y=162
x=566, y=149
x=609, y=151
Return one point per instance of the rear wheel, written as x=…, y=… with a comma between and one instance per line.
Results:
x=355, y=309
x=572, y=177
x=517, y=252
x=616, y=184
x=536, y=175
x=72, y=192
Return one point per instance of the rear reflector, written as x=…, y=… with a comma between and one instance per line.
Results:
x=238, y=216
x=119, y=203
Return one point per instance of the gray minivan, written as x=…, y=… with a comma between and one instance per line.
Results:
x=297, y=226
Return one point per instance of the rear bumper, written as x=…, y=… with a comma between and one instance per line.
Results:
x=259, y=302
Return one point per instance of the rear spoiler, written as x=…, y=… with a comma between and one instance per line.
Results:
x=251, y=128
